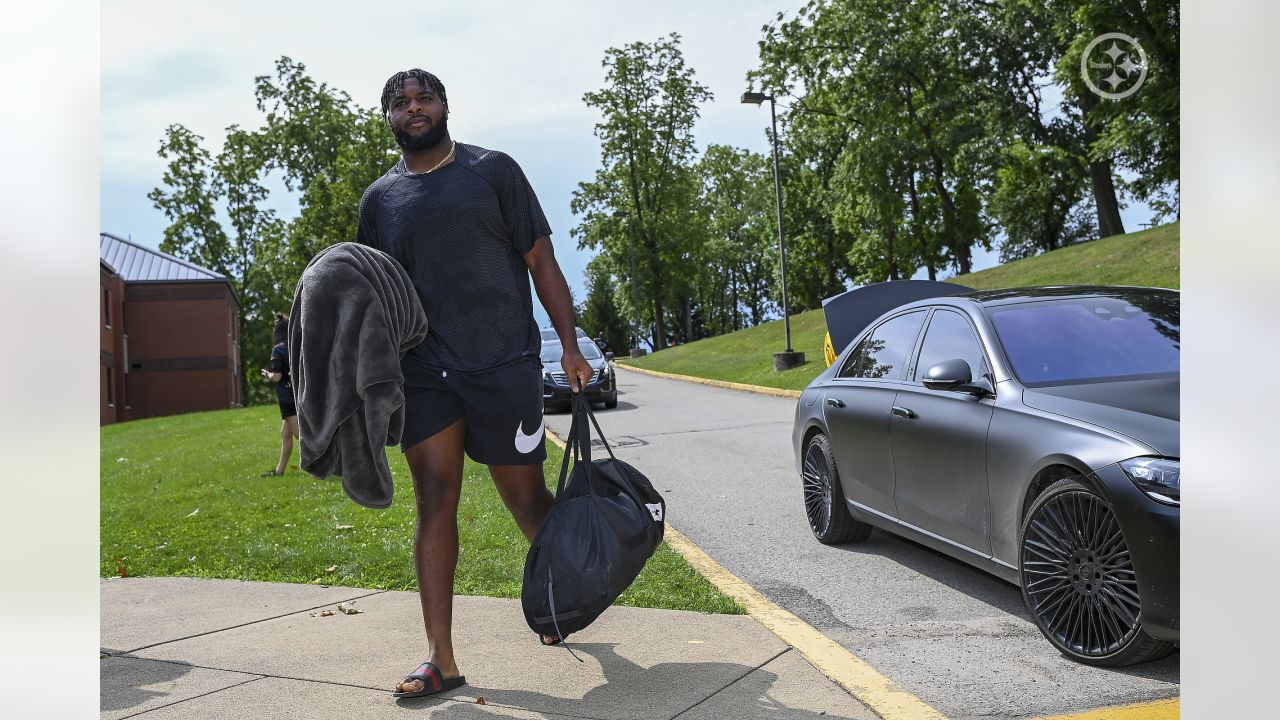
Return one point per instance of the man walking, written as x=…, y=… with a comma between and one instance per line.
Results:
x=466, y=225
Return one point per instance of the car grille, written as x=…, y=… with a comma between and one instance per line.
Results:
x=561, y=378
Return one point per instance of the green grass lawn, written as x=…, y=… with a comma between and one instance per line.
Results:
x=182, y=496
x=1148, y=258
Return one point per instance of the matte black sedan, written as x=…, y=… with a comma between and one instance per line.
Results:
x=602, y=387
x=1032, y=433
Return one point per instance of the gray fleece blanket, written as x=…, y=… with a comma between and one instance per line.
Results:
x=355, y=314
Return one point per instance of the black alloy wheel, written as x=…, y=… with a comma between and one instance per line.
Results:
x=1078, y=579
x=824, y=504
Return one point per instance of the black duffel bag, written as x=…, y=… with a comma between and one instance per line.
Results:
x=605, y=523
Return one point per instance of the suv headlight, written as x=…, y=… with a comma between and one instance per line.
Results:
x=1157, y=477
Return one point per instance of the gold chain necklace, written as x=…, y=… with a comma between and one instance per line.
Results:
x=453, y=145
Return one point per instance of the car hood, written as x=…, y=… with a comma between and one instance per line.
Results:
x=1146, y=410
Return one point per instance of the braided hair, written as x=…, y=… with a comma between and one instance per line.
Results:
x=396, y=83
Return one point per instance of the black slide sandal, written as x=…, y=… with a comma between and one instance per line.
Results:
x=433, y=681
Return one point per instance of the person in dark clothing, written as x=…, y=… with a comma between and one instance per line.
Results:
x=279, y=375
x=466, y=226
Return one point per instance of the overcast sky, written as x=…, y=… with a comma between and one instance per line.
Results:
x=515, y=71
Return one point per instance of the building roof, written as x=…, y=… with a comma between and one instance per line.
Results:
x=135, y=263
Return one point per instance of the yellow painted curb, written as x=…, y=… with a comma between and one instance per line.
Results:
x=1161, y=710
x=555, y=439
x=776, y=392
x=885, y=697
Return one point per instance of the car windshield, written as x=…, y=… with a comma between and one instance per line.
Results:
x=551, y=352
x=550, y=334
x=1091, y=339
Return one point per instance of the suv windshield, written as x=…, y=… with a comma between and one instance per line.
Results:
x=1090, y=339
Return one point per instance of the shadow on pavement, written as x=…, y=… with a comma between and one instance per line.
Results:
x=122, y=680
x=985, y=587
x=627, y=684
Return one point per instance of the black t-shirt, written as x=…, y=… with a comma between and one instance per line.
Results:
x=280, y=364
x=460, y=233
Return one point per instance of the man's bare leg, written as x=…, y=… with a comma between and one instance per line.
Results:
x=436, y=465
x=526, y=495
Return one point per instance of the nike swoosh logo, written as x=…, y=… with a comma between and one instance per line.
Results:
x=526, y=444
x=476, y=160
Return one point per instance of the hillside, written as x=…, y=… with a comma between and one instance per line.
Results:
x=1149, y=257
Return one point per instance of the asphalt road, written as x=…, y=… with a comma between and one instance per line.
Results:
x=956, y=637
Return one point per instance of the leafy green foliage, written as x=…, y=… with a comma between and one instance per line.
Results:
x=182, y=496
x=649, y=105
x=599, y=316
x=321, y=145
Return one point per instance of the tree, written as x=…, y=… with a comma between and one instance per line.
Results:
x=737, y=265
x=649, y=105
x=1037, y=200
x=600, y=314
x=888, y=82
x=1140, y=131
x=327, y=150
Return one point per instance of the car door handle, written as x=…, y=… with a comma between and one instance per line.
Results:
x=835, y=402
x=904, y=412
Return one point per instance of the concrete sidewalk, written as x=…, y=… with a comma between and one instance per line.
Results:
x=191, y=648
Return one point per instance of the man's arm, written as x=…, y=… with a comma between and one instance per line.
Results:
x=553, y=291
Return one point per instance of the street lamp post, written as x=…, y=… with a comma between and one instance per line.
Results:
x=789, y=358
x=636, y=350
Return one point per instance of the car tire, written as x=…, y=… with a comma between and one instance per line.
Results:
x=611, y=400
x=824, y=504
x=1078, y=580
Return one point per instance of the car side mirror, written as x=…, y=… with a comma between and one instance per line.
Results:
x=956, y=376
x=948, y=375
x=609, y=356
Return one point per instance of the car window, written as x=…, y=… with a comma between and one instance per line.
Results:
x=949, y=337
x=551, y=352
x=884, y=352
x=1091, y=339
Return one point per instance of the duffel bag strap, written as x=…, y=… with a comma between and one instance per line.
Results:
x=603, y=440
x=551, y=600
x=570, y=449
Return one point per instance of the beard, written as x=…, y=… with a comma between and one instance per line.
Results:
x=426, y=141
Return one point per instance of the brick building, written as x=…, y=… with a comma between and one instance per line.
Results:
x=170, y=334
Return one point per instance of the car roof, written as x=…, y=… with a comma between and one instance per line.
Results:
x=1008, y=296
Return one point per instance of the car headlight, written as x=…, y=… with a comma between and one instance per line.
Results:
x=1157, y=477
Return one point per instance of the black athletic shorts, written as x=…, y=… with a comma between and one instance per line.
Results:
x=503, y=408
x=287, y=409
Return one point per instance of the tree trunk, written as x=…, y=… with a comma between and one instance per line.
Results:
x=688, y=320
x=889, y=236
x=655, y=271
x=925, y=256
x=830, y=288
x=960, y=250
x=1104, y=188
x=733, y=282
